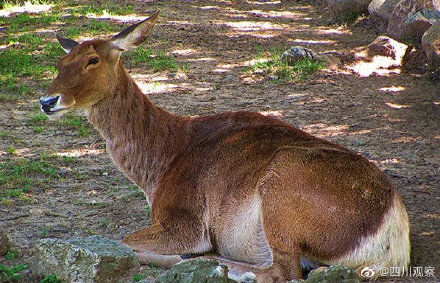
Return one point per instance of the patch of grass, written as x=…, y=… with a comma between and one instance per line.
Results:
x=67, y=159
x=38, y=118
x=272, y=65
x=19, y=175
x=104, y=222
x=159, y=62
x=12, y=254
x=79, y=123
x=38, y=129
x=11, y=150
x=42, y=233
x=52, y=278
x=11, y=273
x=4, y=134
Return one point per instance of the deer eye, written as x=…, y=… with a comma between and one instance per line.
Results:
x=93, y=60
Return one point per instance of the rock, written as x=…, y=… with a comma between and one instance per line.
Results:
x=416, y=25
x=431, y=46
x=346, y=9
x=231, y=79
x=94, y=259
x=197, y=270
x=333, y=274
x=383, y=46
x=404, y=10
x=380, y=12
x=296, y=53
x=5, y=243
x=414, y=60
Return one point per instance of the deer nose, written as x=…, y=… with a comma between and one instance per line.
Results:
x=48, y=102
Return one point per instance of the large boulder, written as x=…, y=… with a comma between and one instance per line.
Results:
x=416, y=25
x=431, y=46
x=347, y=9
x=380, y=12
x=93, y=259
x=403, y=11
x=196, y=271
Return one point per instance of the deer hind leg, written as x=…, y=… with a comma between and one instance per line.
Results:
x=165, y=245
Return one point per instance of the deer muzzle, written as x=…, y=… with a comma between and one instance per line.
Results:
x=49, y=104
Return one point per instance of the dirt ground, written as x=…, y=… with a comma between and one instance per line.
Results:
x=392, y=118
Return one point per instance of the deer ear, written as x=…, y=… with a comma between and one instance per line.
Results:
x=134, y=35
x=66, y=43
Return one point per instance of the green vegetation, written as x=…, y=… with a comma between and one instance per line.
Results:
x=18, y=176
x=52, y=278
x=12, y=254
x=11, y=273
x=38, y=118
x=159, y=62
x=270, y=64
x=77, y=122
x=150, y=272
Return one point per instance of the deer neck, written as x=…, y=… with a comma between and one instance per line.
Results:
x=141, y=138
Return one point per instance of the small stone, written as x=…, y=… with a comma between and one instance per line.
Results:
x=296, y=53
x=197, y=270
x=273, y=77
x=333, y=274
x=231, y=78
x=104, y=173
x=5, y=243
x=416, y=25
x=94, y=259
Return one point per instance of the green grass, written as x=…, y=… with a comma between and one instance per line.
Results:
x=159, y=62
x=52, y=278
x=18, y=176
x=11, y=273
x=271, y=65
x=77, y=122
x=38, y=118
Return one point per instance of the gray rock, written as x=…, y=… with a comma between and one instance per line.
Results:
x=344, y=9
x=431, y=46
x=197, y=271
x=416, y=25
x=380, y=12
x=94, y=259
x=296, y=53
x=333, y=274
x=5, y=243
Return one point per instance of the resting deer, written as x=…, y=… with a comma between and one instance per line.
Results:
x=260, y=194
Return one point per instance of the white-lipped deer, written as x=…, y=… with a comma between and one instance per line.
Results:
x=262, y=195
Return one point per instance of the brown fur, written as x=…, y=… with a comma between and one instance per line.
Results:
x=316, y=198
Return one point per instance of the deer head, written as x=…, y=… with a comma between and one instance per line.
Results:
x=89, y=71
